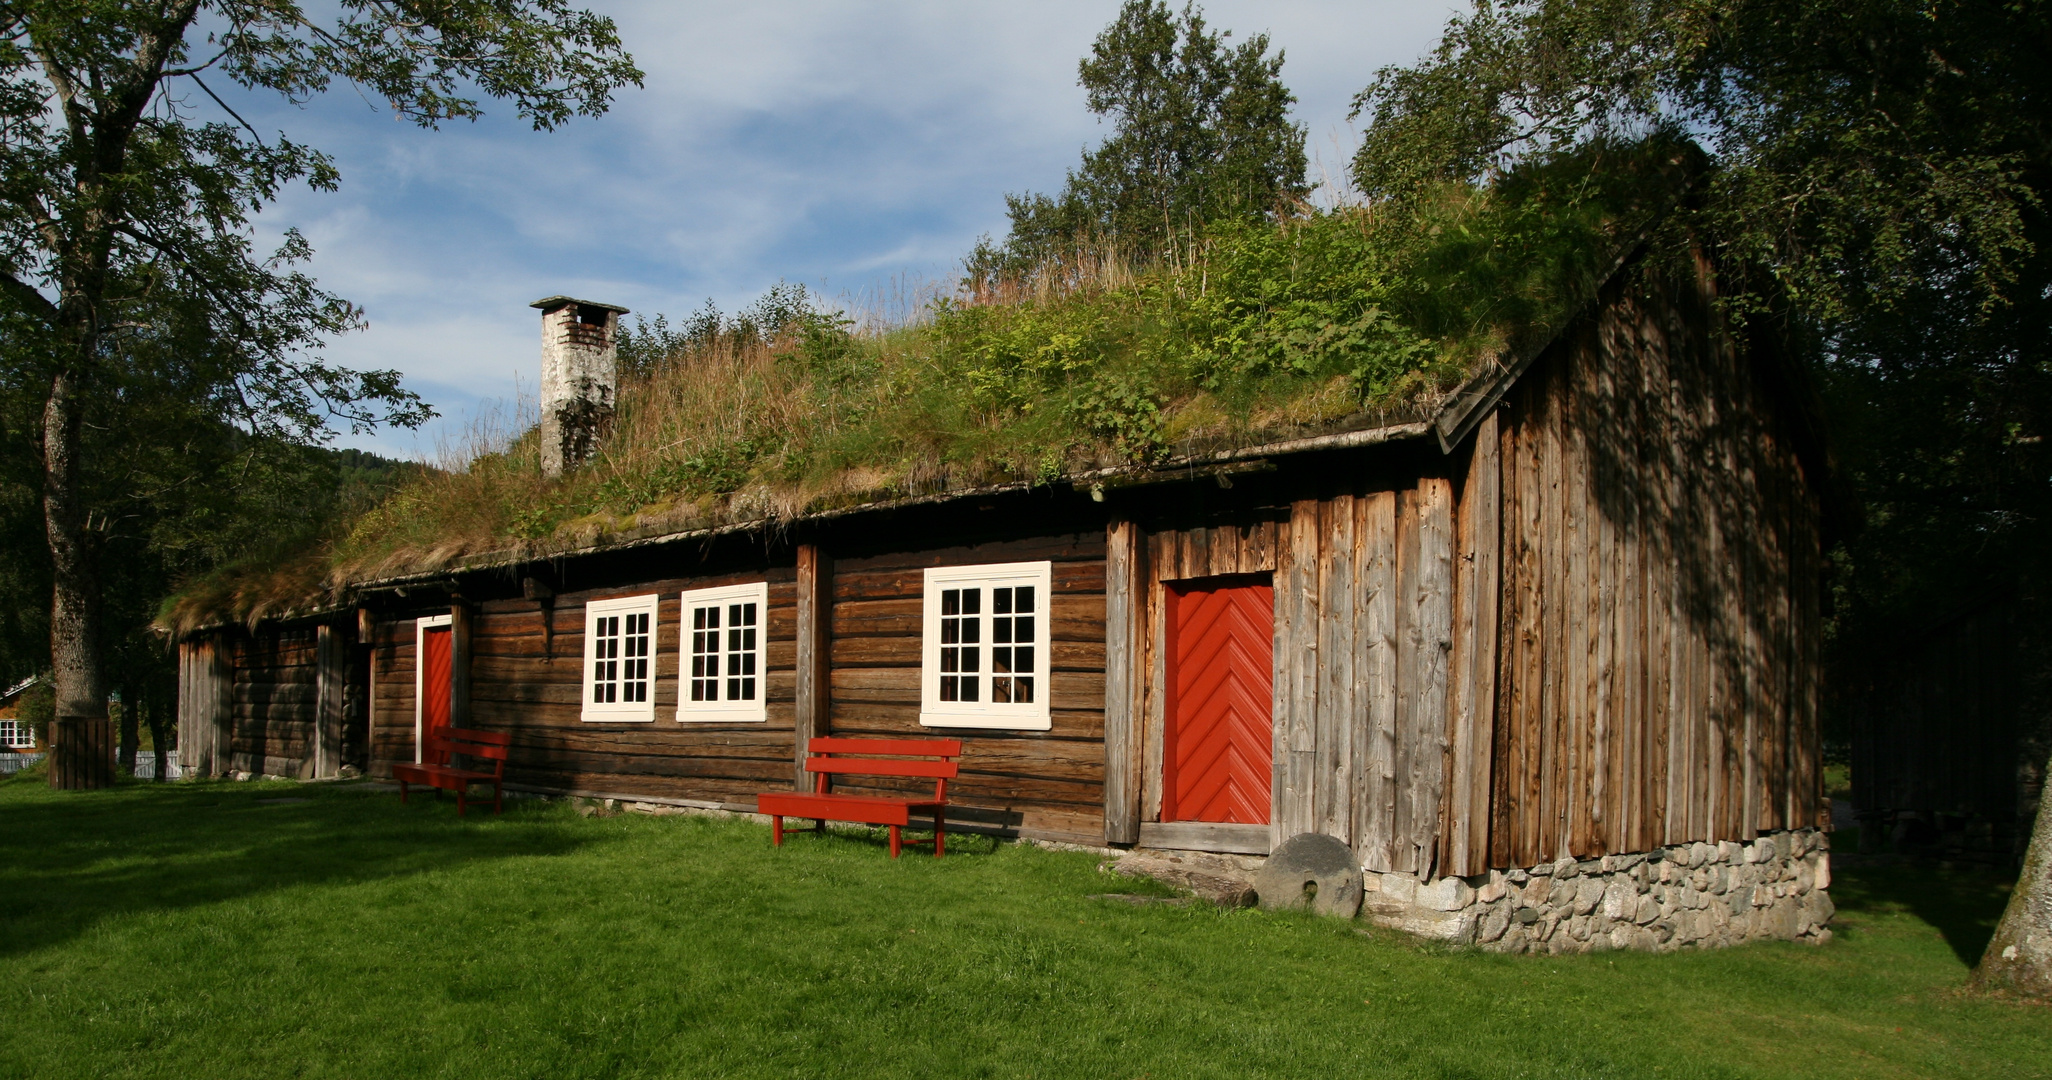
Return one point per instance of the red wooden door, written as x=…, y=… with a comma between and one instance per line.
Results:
x=434, y=685
x=1219, y=734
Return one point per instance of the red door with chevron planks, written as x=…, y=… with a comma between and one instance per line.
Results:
x=1219, y=737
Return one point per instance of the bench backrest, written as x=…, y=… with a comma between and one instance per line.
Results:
x=885, y=757
x=444, y=743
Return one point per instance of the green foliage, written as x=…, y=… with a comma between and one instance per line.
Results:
x=171, y=370
x=36, y=707
x=1201, y=133
x=1875, y=186
x=1863, y=151
x=1268, y=328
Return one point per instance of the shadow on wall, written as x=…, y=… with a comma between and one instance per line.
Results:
x=73, y=860
x=1662, y=580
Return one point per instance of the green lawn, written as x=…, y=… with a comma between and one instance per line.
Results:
x=196, y=931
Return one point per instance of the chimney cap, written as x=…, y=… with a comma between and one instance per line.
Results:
x=551, y=303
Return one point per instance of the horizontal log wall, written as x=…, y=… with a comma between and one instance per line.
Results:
x=1047, y=783
x=530, y=685
x=1658, y=615
x=272, y=705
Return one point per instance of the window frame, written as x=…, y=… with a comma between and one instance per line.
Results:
x=13, y=740
x=1030, y=716
x=620, y=712
x=723, y=712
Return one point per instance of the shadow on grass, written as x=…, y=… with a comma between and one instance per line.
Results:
x=843, y=836
x=74, y=859
x=1963, y=905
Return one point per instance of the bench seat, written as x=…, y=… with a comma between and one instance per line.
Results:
x=896, y=812
x=444, y=745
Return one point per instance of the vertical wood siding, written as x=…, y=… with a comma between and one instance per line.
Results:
x=1658, y=601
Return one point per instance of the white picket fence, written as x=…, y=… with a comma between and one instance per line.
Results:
x=145, y=764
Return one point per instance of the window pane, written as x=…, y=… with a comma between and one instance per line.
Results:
x=1022, y=691
x=1022, y=599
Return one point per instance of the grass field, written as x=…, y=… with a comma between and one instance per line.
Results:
x=209, y=930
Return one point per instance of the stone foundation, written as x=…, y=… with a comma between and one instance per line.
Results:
x=1686, y=896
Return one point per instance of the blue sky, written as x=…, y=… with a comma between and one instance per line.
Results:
x=855, y=148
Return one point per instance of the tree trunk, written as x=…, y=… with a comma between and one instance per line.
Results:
x=131, y=733
x=79, y=681
x=160, y=735
x=2019, y=958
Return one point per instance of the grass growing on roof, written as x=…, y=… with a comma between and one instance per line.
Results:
x=1250, y=332
x=204, y=929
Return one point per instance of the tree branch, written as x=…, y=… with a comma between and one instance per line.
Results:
x=26, y=295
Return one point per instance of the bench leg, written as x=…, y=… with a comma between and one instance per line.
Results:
x=940, y=832
x=402, y=791
x=894, y=841
x=498, y=799
x=776, y=830
x=462, y=799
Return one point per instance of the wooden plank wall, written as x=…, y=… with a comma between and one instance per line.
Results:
x=1363, y=606
x=394, y=653
x=273, y=703
x=206, y=690
x=533, y=691
x=1659, y=607
x=1043, y=783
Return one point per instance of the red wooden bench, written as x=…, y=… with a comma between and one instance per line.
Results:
x=438, y=770
x=822, y=805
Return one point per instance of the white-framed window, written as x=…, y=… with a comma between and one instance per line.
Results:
x=16, y=735
x=721, y=654
x=984, y=651
x=619, y=659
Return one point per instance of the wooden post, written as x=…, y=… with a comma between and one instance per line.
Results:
x=1124, y=586
x=1472, y=704
x=459, y=664
x=331, y=680
x=204, y=693
x=815, y=637
x=1296, y=678
x=81, y=753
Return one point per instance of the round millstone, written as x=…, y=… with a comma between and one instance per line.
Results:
x=1311, y=871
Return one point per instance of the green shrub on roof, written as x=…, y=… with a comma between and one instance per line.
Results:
x=1244, y=332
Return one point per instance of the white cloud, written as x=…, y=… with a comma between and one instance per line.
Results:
x=859, y=146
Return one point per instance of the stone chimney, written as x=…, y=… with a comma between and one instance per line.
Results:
x=579, y=374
